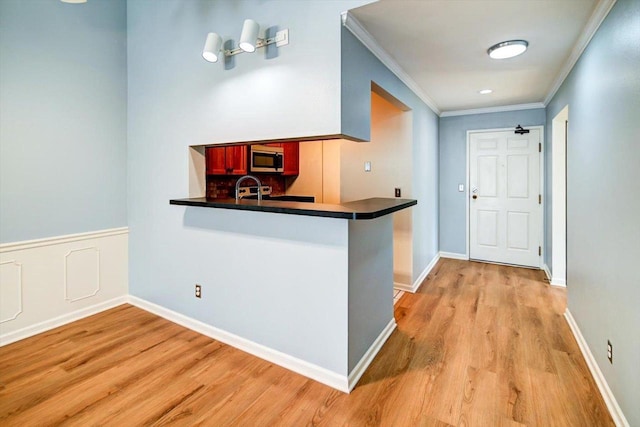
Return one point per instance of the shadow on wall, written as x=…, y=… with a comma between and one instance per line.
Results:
x=265, y=225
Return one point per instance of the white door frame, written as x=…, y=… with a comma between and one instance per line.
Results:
x=558, y=199
x=541, y=236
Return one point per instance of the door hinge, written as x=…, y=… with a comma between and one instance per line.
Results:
x=539, y=250
x=539, y=147
x=539, y=199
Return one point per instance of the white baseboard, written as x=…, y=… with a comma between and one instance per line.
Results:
x=370, y=354
x=454, y=255
x=610, y=400
x=315, y=372
x=402, y=287
x=47, y=325
x=416, y=285
x=553, y=281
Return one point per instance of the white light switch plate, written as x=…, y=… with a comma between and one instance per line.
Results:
x=461, y=187
x=282, y=38
x=367, y=166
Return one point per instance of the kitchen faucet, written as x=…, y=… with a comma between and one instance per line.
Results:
x=244, y=178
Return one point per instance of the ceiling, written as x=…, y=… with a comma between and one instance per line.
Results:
x=439, y=47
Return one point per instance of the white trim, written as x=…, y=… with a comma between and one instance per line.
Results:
x=553, y=281
x=403, y=287
x=499, y=109
x=558, y=225
x=28, y=244
x=416, y=284
x=599, y=13
x=315, y=372
x=20, y=291
x=356, y=28
x=367, y=358
x=66, y=274
x=453, y=255
x=610, y=400
x=47, y=325
x=541, y=153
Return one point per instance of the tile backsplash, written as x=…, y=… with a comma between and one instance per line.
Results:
x=223, y=187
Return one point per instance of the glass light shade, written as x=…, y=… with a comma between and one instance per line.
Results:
x=507, y=49
x=249, y=35
x=212, y=47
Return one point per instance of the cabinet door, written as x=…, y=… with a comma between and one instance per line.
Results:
x=236, y=160
x=291, y=158
x=216, y=163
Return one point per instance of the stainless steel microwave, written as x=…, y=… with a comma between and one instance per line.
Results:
x=266, y=159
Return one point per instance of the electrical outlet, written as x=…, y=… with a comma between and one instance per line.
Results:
x=609, y=352
x=198, y=291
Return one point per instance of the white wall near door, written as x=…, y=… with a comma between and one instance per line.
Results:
x=559, y=199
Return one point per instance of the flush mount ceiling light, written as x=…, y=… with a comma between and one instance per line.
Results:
x=485, y=91
x=507, y=49
x=249, y=41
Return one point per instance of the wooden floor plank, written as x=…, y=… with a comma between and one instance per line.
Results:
x=477, y=345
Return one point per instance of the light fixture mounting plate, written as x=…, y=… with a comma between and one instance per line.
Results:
x=282, y=37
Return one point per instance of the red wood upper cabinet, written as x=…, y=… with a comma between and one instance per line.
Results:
x=236, y=160
x=216, y=161
x=291, y=158
x=226, y=160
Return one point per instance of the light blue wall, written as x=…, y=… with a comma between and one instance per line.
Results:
x=453, y=167
x=63, y=107
x=359, y=68
x=603, y=198
x=177, y=99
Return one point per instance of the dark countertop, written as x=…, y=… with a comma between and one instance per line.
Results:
x=359, y=209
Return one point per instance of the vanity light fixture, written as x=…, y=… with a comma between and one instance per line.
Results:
x=212, y=47
x=249, y=35
x=485, y=91
x=73, y=1
x=249, y=42
x=507, y=49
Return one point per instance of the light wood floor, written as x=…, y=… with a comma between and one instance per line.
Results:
x=480, y=344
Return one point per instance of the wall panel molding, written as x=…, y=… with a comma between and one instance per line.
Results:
x=68, y=238
x=58, y=278
x=83, y=272
x=9, y=295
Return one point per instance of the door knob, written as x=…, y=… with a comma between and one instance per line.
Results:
x=475, y=196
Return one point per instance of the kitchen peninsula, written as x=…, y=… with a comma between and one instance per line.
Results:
x=317, y=278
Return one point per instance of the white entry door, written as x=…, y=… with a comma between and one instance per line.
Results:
x=505, y=214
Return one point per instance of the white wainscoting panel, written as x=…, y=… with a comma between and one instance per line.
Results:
x=10, y=290
x=81, y=273
x=46, y=283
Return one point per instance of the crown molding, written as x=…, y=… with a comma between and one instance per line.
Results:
x=500, y=109
x=599, y=13
x=356, y=28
